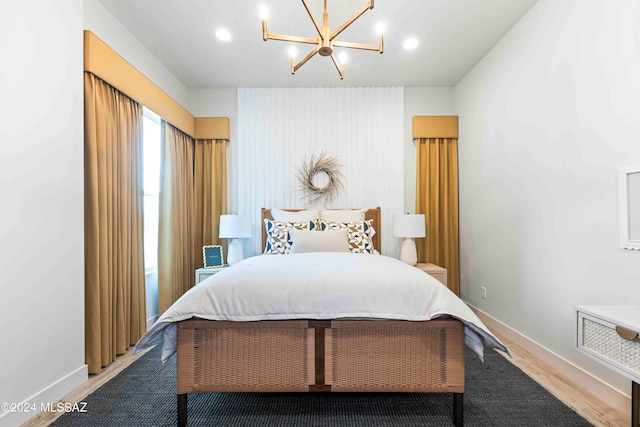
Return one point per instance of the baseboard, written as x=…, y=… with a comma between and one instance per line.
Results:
x=607, y=394
x=151, y=321
x=46, y=396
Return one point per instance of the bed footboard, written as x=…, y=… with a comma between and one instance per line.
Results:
x=337, y=356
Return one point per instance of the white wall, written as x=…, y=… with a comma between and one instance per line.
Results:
x=279, y=129
x=103, y=24
x=41, y=176
x=420, y=101
x=221, y=102
x=546, y=118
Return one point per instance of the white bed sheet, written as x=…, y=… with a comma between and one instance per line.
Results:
x=318, y=286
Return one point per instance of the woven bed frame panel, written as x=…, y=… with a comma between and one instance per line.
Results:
x=245, y=356
x=279, y=356
x=395, y=356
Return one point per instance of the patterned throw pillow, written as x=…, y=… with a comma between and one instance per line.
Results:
x=342, y=215
x=360, y=234
x=278, y=236
x=295, y=216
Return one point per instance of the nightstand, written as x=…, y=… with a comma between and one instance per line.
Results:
x=433, y=270
x=203, y=273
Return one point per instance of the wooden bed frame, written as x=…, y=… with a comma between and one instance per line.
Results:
x=321, y=355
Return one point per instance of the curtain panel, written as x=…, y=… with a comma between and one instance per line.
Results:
x=193, y=195
x=176, y=217
x=437, y=198
x=210, y=194
x=114, y=265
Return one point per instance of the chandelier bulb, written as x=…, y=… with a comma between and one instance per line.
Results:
x=264, y=12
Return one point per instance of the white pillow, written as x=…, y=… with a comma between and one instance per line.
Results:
x=314, y=241
x=293, y=216
x=360, y=234
x=342, y=215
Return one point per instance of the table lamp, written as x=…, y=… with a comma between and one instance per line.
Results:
x=409, y=226
x=234, y=227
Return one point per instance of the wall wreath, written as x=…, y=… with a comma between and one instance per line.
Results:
x=320, y=178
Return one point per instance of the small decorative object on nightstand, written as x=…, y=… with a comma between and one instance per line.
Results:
x=212, y=256
x=234, y=227
x=408, y=226
x=435, y=271
x=203, y=273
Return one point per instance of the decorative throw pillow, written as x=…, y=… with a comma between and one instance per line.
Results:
x=342, y=215
x=295, y=216
x=278, y=237
x=312, y=241
x=360, y=234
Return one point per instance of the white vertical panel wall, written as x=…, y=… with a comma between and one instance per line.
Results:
x=279, y=129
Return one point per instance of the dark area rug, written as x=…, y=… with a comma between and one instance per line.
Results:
x=496, y=394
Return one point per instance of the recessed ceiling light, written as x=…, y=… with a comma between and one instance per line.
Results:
x=223, y=35
x=410, y=43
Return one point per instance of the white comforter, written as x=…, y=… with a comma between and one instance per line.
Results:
x=318, y=286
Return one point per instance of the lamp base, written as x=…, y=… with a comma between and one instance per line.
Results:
x=235, y=252
x=408, y=253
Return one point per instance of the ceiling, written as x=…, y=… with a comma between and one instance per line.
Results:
x=453, y=36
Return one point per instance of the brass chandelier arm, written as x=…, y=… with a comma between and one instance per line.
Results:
x=315, y=23
x=364, y=46
x=294, y=68
x=349, y=21
x=339, y=67
x=270, y=36
x=296, y=39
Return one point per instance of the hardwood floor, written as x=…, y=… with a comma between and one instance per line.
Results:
x=578, y=398
x=573, y=395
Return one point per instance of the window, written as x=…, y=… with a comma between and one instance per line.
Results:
x=151, y=183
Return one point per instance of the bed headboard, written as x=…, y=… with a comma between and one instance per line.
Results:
x=371, y=213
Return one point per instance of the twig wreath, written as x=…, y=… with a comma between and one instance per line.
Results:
x=315, y=167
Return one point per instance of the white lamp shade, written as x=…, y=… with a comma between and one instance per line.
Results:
x=409, y=225
x=234, y=226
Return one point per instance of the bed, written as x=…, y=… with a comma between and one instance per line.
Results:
x=305, y=347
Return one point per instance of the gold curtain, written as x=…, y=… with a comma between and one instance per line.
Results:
x=193, y=195
x=437, y=198
x=210, y=193
x=114, y=267
x=176, y=217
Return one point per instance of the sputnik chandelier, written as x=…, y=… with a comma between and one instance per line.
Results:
x=325, y=42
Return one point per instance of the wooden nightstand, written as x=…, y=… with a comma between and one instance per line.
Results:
x=433, y=270
x=203, y=273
